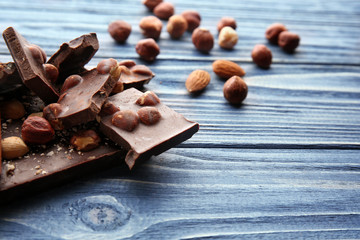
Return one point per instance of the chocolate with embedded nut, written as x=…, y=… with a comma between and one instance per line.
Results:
x=30, y=61
x=166, y=128
x=9, y=78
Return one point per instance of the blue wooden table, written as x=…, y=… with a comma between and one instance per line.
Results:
x=284, y=165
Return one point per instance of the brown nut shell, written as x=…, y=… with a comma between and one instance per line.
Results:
x=235, y=90
x=227, y=69
x=197, y=81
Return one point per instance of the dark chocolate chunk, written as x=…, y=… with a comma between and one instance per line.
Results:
x=73, y=56
x=9, y=78
x=143, y=141
x=81, y=98
x=30, y=62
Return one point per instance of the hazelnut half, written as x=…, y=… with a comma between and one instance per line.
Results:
x=119, y=30
x=202, y=39
x=228, y=37
x=261, y=56
x=176, y=26
x=85, y=140
x=235, y=90
x=147, y=49
x=164, y=10
x=193, y=19
x=151, y=27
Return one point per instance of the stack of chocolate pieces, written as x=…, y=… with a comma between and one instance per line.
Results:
x=99, y=115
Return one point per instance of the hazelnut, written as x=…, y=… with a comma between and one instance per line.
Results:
x=151, y=4
x=37, y=53
x=228, y=37
x=288, y=41
x=105, y=66
x=226, y=21
x=119, y=30
x=85, y=140
x=13, y=147
x=52, y=73
x=176, y=26
x=12, y=109
x=147, y=49
x=142, y=70
x=70, y=82
x=164, y=10
x=149, y=115
x=235, y=90
x=126, y=120
x=37, y=130
x=149, y=98
x=193, y=19
x=119, y=87
x=273, y=31
x=197, y=81
x=151, y=27
x=51, y=113
x=108, y=108
x=202, y=39
x=261, y=56
x=127, y=63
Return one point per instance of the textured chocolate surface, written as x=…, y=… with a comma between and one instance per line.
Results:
x=30, y=69
x=147, y=140
x=9, y=78
x=74, y=55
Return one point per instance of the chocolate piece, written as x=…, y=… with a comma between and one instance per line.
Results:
x=133, y=75
x=73, y=56
x=81, y=98
x=0, y=149
x=146, y=140
x=29, y=60
x=9, y=78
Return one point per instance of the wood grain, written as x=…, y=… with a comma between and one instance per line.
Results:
x=284, y=165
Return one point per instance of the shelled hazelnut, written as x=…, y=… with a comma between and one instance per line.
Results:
x=193, y=19
x=261, y=56
x=288, y=41
x=235, y=90
x=273, y=31
x=37, y=130
x=164, y=10
x=202, y=39
x=151, y=27
x=226, y=21
x=151, y=4
x=119, y=30
x=176, y=26
x=228, y=37
x=147, y=49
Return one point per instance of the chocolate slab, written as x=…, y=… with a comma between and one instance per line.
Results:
x=9, y=78
x=30, y=68
x=74, y=55
x=82, y=102
x=146, y=140
x=134, y=75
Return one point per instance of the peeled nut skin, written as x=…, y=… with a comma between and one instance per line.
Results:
x=12, y=109
x=226, y=21
x=147, y=49
x=119, y=30
x=37, y=130
x=151, y=4
x=261, y=56
x=126, y=120
x=13, y=147
x=235, y=90
x=151, y=27
x=197, y=81
x=176, y=26
x=149, y=115
x=288, y=41
x=85, y=140
x=273, y=31
x=193, y=19
x=164, y=10
x=203, y=40
x=228, y=37
x=227, y=69
x=149, y=98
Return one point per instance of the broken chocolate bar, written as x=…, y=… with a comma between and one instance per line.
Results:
x=82, y=96
x=9, y=78
x=144, y=125
x=73, y=56
x=30, y=62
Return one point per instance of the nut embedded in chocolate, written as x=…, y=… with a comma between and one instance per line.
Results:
x=126, y=120
x=149, y=115
x=148, y=98
x=9, y=77
x=85, y=140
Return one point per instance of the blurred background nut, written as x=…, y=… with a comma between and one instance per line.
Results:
x=288, y=41
x=37, y=130
x=202, y=39
x=85, y=140
x=197, y=81
x=226, y=21
x=13, y=147
x=261, y=56
x=151, y=27
x=176, y=26
x=273, y=31
x=164, y=10
x=12, y=109
x=147, y=49
x=235, y=90
x=119, y=30
x=228, y=37
x=151, y=4
x=192, y=18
